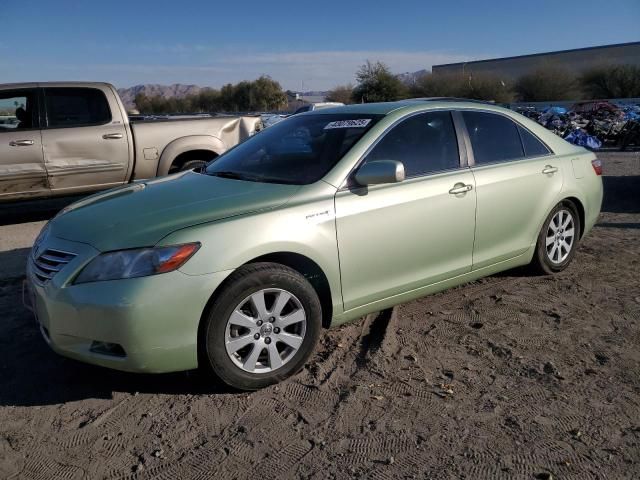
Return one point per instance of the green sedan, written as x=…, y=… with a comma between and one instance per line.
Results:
x=315, y=221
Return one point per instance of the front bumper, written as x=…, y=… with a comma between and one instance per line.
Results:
x=153, y=319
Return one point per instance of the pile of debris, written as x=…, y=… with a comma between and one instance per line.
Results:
x=591, y=124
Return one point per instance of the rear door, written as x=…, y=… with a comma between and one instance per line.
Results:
x=22, y=171
x=517, y=180
x=85, y=142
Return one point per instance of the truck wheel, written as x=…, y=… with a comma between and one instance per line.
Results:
x=192, y=165
x=263, y=326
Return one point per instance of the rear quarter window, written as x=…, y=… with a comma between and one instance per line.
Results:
x=532, y=146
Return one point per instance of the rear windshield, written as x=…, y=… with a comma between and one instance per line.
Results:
x=298, y=151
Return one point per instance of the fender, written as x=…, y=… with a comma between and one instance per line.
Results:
x=326, y=261
x=227, y=245
x=186, y=144
x=569, y=193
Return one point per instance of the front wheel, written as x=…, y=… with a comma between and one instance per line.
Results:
x=557, y=240
x=263, y=326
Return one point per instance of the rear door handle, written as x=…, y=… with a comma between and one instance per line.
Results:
x=112, y=136
x=459, y=188
x=549, y=169
x=21, y=143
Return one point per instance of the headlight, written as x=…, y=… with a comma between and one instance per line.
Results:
x=140, y=262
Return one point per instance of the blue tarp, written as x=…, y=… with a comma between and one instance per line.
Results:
x=583, y=139
x=555, y=110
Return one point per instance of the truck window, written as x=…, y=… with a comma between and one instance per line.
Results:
x=76, y=107
x=18, y=110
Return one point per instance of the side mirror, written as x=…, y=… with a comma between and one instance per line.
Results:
x=380, y=171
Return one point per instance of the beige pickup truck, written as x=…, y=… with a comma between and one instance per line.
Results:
x=67, y=138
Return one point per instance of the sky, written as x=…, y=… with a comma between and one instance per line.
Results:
x=303, y=45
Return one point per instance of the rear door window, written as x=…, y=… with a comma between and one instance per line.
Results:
x=494, y=138
x=18, y=110
x=424, y=143
x=76, y=107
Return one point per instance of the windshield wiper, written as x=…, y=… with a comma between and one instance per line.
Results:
x=250, y=178
x=232, y=175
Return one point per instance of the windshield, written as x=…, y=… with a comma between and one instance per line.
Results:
x=299, y=150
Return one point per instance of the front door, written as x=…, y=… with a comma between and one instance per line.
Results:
x=22, y=172
x=399, y=237
x=85, y=141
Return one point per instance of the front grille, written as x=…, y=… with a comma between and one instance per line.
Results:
x=49, y=263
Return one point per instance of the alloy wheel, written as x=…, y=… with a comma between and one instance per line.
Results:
x=265, y=330
x=560, y=236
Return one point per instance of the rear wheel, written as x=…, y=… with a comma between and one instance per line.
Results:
x=558, y=239
x=262, y=327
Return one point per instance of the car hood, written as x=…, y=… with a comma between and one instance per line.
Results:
x=142, y=213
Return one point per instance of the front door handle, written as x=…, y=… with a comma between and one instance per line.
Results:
x=459, y=188
x=21, y=143
x=112, y=136
x=549, y=169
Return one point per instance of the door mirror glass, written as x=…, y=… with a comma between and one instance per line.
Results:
x=380, y=171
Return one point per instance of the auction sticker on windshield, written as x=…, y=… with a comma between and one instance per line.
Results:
x=356, y=123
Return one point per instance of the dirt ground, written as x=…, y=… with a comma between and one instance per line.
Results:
x=511, y=376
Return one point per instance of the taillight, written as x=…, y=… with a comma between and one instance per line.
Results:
x=597, y=166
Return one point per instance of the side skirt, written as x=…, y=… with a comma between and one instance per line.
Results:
x=355, y=313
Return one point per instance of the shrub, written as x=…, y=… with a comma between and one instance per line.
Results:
x=547, y=83
x=619, y=81
x=478, y=86
x=341, y=93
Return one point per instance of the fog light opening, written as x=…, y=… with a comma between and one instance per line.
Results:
x=106, y=348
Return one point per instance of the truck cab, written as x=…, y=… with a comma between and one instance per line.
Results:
x=67, y=138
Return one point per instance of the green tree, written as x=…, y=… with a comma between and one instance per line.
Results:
x=547, y=83
x=341, y=93
x=376, y=83
x=266, y=94
x=143, y=104
x=263, y=94
x=619, y=81
x=227, y=100
x=260, y=95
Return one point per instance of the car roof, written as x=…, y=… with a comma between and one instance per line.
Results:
x=402, y=107
x=385, y=108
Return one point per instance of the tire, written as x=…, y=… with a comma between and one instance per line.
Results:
x=192, y=165
x=550, y=258
x=285, y=326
